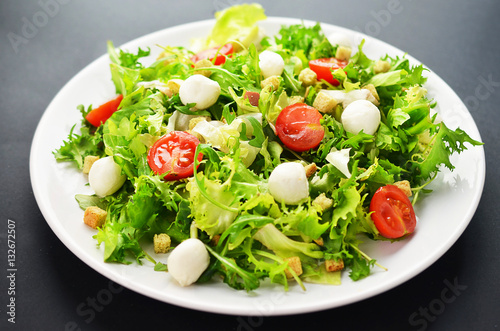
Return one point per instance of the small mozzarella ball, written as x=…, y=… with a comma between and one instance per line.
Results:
x=105, y=176
x=271, y=64
x=200, y=90
x=288, y=183
x=339, y=38
x=361, y=115
x=188, y=261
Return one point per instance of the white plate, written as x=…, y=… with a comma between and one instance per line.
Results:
x=443, y=216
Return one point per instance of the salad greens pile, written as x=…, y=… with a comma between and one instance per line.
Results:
x=227, y=203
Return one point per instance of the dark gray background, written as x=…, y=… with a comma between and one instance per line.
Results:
x=459, y=40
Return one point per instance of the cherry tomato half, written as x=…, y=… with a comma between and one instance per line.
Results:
x=100, y=114
x=173, y=155
x=298, y=127
x=393, y=212
x=219, y=53
x=324, y=67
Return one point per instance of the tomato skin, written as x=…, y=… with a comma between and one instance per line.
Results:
x=219, y=53
x=392, y=212
x=173, y=154
x=99, y=115
x=323, y=68
x=298, y=127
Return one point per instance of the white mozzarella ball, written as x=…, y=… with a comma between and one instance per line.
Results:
x=105, y=176
x=361, y=115
x=271, y=64
x=200, y=90
x=288, y=183
x=346, y=98
x=339, y=38
x=188, y=261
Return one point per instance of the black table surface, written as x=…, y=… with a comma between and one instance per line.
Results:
x=45, y=43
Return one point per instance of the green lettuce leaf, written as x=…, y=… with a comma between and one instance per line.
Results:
x=236, y=23
x=285, y=247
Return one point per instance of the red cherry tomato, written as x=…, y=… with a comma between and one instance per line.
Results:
x=100, y=114
x=173, y=155
x=219, y=53
x=324, y=67
x=393, y=213
x=298, y=127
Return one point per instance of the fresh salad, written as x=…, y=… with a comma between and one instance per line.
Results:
x=250, y=157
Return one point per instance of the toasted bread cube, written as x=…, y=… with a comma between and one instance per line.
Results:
x=196, y=120
x=324, y=103
x=373, y=91
x=343, y=53
x=310, y=169
x=94, y=217
x=404, y=186
x=88, y=162
x=294, y=264
x=308, y=77
x=323, y=202
x=295, y=99
x=205, y=63
x=334, y=265
x=381, y=66
x=273, y=81
x=174, y=85
x=161, y=243
x=319, y=241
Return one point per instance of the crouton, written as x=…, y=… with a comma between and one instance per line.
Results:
x=273, y=81
x=310, y=169
x=295, y=99
x=196, y=120
x=161, y=243
x=373, y=90
x=334, y=265
x=94, y=217
x=323, y=202
x=324, y=103
x=404, y=186
x=381, y=66
x=174, y=84
x=88, y=162
x=319, y=241
x=294, y=264
x=308, y=77
x=205, y=63
x=343, y=53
